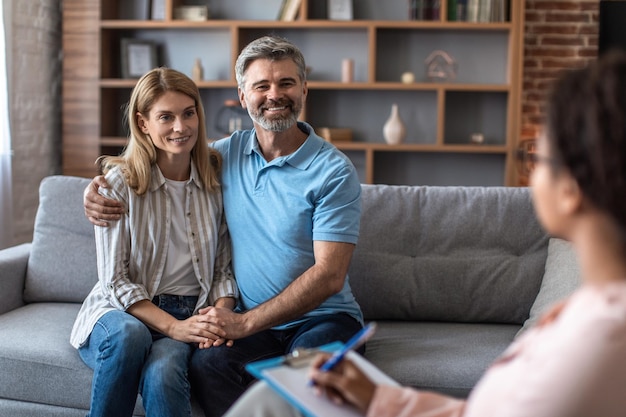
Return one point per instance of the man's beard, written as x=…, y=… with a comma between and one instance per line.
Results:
x=276, y=124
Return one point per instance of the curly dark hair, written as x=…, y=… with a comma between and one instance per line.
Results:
x=586, y=131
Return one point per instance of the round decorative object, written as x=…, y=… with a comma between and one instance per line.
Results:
x=394, y=130
x=407, y=77
x=477, y=138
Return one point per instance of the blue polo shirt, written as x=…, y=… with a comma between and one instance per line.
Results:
x=275, y=210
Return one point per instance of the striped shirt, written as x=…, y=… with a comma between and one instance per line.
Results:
x=131, y=252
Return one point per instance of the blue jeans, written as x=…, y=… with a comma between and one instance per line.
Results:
x=218, y=376
x=128, y=358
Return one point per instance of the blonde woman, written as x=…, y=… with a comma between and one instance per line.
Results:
x=162, y=261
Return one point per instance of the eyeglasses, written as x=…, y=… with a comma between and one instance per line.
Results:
x=527, y=157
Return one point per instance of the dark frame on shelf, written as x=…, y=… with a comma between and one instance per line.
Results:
x=138, y=57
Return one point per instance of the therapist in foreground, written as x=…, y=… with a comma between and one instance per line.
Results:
x=573, y=363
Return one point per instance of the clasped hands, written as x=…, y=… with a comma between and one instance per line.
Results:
x=222, y=324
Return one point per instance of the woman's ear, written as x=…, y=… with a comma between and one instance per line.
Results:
x=570, y=197
x=141, y=123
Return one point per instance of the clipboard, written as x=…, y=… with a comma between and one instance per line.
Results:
x=289, y=376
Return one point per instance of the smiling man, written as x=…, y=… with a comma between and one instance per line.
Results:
x=292, y=204
x=293, y=209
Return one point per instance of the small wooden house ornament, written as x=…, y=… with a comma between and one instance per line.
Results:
x=440, y=66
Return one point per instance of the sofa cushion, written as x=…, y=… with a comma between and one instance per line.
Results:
x=35, y=347
x=457, y=254
x=561, y=278
x=42, y=353
x=443, y=357
x=62, y=263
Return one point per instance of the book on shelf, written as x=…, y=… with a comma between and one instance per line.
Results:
x=480, y=11
x=484, y=10
x=433, y=9
x=281, y=10
x=500, y=11
x=472, y=10
x=157, y=10
x=457, y=10
x=289, y=10
x=424, y=9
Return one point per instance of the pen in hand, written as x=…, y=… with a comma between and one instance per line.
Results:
x=357, y=340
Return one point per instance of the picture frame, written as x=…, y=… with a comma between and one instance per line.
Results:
x=340, y=10
x=138, y=57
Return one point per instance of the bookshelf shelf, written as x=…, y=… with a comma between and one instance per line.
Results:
x=381, y=40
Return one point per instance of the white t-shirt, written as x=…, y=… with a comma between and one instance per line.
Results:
x=178, y=277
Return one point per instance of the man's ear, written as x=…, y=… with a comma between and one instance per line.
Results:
x=242, y=97
x=141, y=123
x=570, y=196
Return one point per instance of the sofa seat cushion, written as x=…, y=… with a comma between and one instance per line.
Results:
x=35, y=347
x=444, y=357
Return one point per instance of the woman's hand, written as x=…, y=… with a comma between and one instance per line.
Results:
x=345, y=383
x=196, y=329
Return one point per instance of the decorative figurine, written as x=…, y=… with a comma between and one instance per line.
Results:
x=440, y=66
x=347, y=70
x=197, y=72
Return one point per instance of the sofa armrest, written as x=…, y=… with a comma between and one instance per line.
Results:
x=13, y=263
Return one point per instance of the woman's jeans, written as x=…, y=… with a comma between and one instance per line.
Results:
x=128, y=358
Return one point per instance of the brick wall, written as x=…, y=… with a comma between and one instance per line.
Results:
x=559, y=34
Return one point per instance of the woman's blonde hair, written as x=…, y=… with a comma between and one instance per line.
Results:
x=140, y=154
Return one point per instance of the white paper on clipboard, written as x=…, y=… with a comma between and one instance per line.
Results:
x=292, y=383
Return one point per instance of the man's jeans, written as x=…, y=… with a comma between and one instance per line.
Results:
x=218, y=374
x=128, y=358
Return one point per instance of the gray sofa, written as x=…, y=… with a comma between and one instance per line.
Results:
x=451, y=275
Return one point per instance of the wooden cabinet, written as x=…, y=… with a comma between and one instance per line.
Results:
x=440, y=116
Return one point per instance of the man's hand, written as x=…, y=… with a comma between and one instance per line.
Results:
x=196, y=329
x=233, y=324
x=97, y=208
x=227, y=303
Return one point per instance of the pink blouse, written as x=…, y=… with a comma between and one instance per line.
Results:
x=571, y=366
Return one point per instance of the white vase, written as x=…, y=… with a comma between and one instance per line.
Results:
x=394, y=130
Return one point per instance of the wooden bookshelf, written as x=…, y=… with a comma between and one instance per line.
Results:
x=440, y=116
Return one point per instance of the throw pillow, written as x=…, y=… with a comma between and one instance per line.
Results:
x=561, y=278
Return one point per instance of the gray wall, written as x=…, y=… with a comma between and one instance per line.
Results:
x=34, y=70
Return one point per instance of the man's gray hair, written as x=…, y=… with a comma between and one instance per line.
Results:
x=273, y=48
